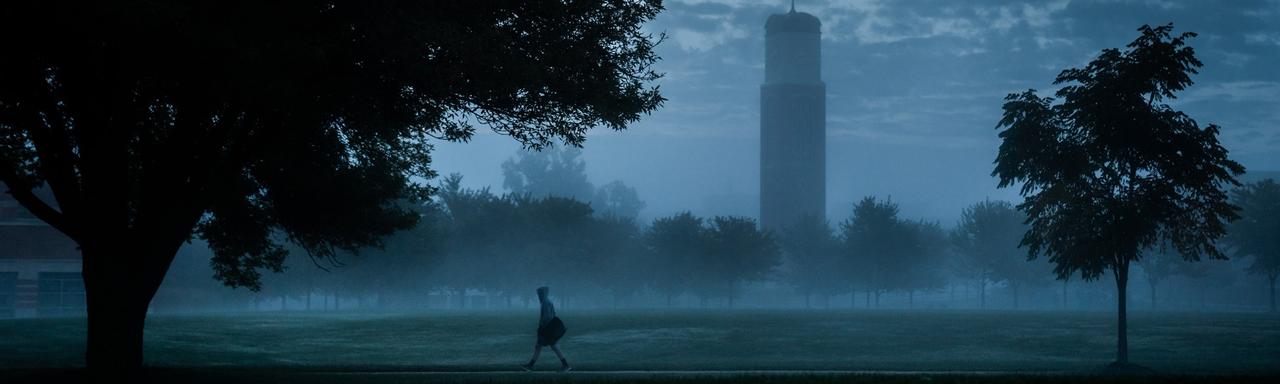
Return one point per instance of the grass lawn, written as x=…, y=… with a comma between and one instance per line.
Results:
x=1020, y=346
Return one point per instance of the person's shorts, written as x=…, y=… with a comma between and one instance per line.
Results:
x=551, y=333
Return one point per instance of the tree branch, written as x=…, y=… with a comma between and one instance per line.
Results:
x=39, y=208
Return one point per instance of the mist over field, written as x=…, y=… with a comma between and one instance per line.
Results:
x=639, y=190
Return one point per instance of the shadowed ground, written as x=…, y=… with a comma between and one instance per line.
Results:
x=401, y=347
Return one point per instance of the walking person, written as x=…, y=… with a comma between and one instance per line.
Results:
x=550, y=330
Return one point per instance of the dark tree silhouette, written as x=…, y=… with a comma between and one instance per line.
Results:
x=617, y=199
x=919, y=266
x=987, y=238
x=876, y=245
x=557, y=171
x=481, y=230
x=250, y=123
x=1162, y=262
x=615, y=241
x=812, y=257
x=738, y=252
x=675, y=243
x=1111, y=170
x=1257, y=233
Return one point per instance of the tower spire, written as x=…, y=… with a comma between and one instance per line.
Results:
x=793, y=6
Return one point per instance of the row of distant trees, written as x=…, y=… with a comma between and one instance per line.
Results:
x=502, y=245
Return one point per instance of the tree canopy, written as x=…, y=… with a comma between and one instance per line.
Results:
x=675, y=243
x=887, y=253
x=556, y=171
x=737, y=252
x=1111, y=170
x=987, y=239
x=812, y=257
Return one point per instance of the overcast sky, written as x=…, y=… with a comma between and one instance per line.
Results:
x=914, y=90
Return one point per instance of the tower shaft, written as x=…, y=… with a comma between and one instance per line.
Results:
x=792, y=122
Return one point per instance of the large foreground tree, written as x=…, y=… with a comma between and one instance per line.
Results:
x=1111, y=170
x=252, y=123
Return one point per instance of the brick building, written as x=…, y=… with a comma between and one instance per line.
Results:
x=39, y=266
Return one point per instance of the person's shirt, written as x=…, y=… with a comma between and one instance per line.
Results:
x=548, y=313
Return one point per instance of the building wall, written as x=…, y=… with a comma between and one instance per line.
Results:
x=39, y=267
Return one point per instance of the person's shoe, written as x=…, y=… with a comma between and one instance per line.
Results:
x=565, y=368
x=527, y=367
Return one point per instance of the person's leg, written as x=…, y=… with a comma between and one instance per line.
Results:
x=537, y=350
x=564, y=364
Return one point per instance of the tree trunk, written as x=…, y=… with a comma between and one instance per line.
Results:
x=911, y=299
x=1152, y=283
x=1122, y=328
x=982, y=294
x=668, y=300
x=308, y=308
x=1273, y=292
x=1064, y=294
x=732, y=292
x=877, y=298
x=853, y=299
x=283, y=301
x=868, y=295
x=806, y=300
x=1015, y=295
x=120, y=282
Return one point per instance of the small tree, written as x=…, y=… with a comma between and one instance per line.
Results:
x=812, y=257
x=874, y=243
x=615, y=242
x=674, y=244
x=617, y=199
x=1257, y=233
x=1161, y=263
x=738, y=252
x=1112, y=170
x=987, y=239
x=555, y=171
x=917, y=267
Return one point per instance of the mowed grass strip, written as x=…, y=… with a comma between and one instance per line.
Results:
x=684, y=340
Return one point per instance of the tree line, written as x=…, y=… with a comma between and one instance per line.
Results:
x=498, y=245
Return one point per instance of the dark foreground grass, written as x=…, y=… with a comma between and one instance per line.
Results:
x=1022, y=346
x=296, y=376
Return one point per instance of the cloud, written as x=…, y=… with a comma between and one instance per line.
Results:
x=1235, y=91
x=1049, y=42
x=1005, y=18
x=692, y=40
x=1263, y=38
x=1234, y=59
